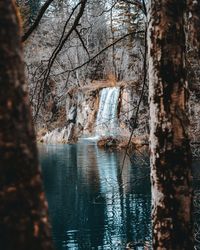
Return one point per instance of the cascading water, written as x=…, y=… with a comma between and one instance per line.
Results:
x=107, y=122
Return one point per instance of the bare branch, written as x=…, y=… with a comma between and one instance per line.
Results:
x=100, y=52
x=82, y=42
x=135, y=118
x=57, y=50
x=144, y=7
x=37, y=20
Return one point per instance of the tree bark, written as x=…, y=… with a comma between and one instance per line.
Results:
x=169, y=142
x=23, y=208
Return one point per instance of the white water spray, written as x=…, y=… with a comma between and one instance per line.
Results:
x=107, y=120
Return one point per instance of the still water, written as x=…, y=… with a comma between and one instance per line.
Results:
x=90, y=206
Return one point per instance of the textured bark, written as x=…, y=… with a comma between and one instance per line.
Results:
x=169, y=142
x=23, y=209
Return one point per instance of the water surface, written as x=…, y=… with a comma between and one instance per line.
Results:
x=90, y=206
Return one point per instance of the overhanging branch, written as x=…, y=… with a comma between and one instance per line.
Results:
x=100, y=52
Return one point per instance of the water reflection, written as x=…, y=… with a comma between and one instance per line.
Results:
x=90, y=206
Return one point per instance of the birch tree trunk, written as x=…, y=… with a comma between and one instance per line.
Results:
x=23, y=210
x=169, y=142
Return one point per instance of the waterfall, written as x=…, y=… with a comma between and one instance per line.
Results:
x=107, y=121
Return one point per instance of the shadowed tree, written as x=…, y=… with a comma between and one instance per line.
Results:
x=169, y=143
x=23, y=209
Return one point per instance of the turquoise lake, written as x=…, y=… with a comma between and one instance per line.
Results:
x=91, y=205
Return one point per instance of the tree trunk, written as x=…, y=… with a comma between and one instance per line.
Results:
x=23, y=208
x=169, y=142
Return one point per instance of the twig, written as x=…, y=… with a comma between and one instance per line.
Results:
x=58, y=49
x=37, y=20
x=82, y=42
x=100, y=52
x=139, y=103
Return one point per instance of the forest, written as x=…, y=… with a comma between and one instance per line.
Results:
x=99, y=124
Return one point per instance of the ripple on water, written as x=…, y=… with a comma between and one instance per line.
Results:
x=90, y=206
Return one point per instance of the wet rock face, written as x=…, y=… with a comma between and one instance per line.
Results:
x=72, y=114
x=129, y=99
x=115, y=104
x=82, y=109
x=88, y=104
x=114, y=107
x=58, y=135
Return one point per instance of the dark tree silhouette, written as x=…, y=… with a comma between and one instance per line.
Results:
x=23, y=208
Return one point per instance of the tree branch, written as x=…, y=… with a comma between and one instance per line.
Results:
x=100, y=52
x=37, y=20
x=135, y=118
x=58, y=49
x=82, y=42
